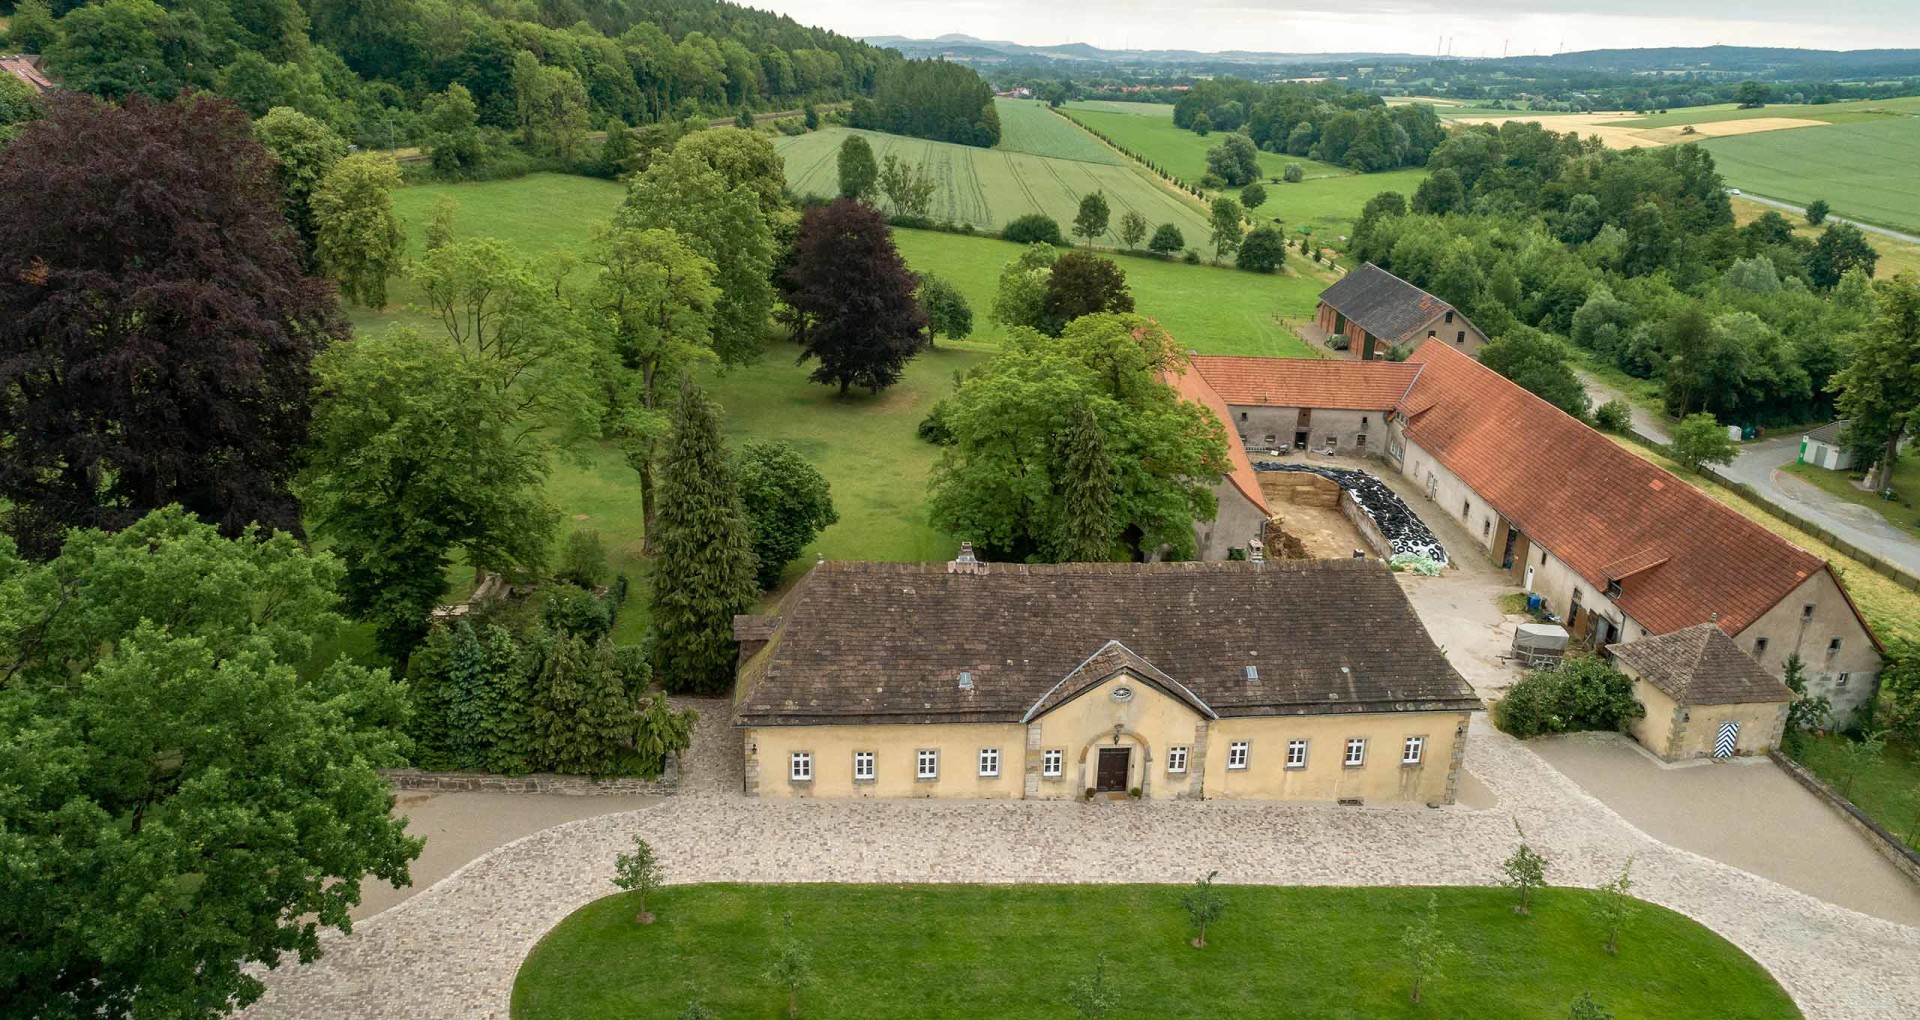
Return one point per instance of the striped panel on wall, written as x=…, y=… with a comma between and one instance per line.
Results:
x=1729, y=737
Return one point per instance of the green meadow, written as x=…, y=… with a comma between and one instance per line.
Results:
x=1852, y=111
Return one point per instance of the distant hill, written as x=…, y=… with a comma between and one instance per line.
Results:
x=955, y=46
x=1755, y=61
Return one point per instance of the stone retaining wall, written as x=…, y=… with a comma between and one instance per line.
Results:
x=1886, y=843
x=538, y=782
x=1369, y=531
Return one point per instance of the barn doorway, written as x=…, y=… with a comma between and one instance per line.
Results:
x=1111, y=776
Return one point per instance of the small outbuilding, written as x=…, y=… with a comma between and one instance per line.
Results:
x=1704, y=696
x=1822, y=448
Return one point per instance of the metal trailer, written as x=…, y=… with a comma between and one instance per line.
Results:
x=1539, y=644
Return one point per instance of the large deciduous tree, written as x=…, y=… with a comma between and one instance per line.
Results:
x=1082, y=284
x=308, y=150
x=858, y=171
x=156, y=327
x=414, y=458
x=1228, y=231
x=1019, y=477
x=1880, y=388
x=1091, y=220
x=358, y=240
x=652, y=309
x=850, y=298
x=726, y=226
x=1537, y=361
x=179, y=801
x=703, y=572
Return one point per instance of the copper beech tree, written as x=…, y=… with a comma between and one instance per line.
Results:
x=156, y=324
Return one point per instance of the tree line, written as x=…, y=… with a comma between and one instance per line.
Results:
x=1322, y=120
x=1634, y=257
x=381, y=72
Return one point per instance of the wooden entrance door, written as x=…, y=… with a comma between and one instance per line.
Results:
x=1112, y=774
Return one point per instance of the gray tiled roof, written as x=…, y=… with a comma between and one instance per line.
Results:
x=1830, y=432
x=1385, y=305
x=887, y=642
x=1701, y=665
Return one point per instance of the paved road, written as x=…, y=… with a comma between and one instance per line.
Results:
x=1759, y=465
x=1868, y=227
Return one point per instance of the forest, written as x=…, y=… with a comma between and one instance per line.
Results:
x=1322, y=120
x=388, y=73
x=1633, y=257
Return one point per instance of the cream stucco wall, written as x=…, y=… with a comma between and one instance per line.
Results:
x=1677, y=732
x=896, y=766
x=1150, y=723
x=1380, y=779
x=1236, y=521
x=1789, y=627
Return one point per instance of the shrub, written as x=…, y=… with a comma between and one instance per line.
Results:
x=933, y=428
x=1034, y=227
x=1192, y=257
x=1613, y=416
x=1579, y=694
x=1167, y=239
x=1293, y=174
x=583, y=561
x=571, y=609
x=1263, y=251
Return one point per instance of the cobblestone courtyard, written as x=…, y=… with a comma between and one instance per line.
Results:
x=453, y=950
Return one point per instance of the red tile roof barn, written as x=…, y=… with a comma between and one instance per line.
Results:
x=1192, y=385
x=1305, y=382
x=1678, y=555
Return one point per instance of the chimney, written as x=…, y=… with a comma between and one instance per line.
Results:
x=965, y=563
x=1256, y=550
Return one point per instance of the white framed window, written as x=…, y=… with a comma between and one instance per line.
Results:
x=802, y=767
x=1296, y=754
x=862, y=766
x=1052, y=762
x=1356, y=752
x=990, y=761
x=929, y=765
x=1411, y=752
x=1840, y=681
x=1237, y=755
x=1177, y=758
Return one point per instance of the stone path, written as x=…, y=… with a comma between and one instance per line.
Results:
x=453, y=950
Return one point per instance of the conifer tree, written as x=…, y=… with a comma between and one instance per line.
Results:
x=1087, y=526
x=704, y=571
x=583, y=719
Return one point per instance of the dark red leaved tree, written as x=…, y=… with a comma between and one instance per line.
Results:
x=156, y=327
x=850, y=298
x=1082, y=284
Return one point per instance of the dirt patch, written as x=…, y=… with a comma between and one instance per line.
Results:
x=1324, y=532
x=1614, y=129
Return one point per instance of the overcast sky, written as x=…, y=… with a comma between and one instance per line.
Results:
x=1476, y=27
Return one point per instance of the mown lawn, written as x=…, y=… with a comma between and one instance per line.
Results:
x=1213, y=310
x=1011, y=952
x=1888, y=790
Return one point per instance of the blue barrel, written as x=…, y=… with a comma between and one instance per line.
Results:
x=1534, y=602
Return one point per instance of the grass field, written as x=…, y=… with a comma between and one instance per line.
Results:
x=1896, y=257
x=1208, y=309
x=1849, y=112
x=1864, y=169
x=990, y=187
x=1010, y=952
x=1148, y=130
x=1026, y=125
x=1888, y=790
